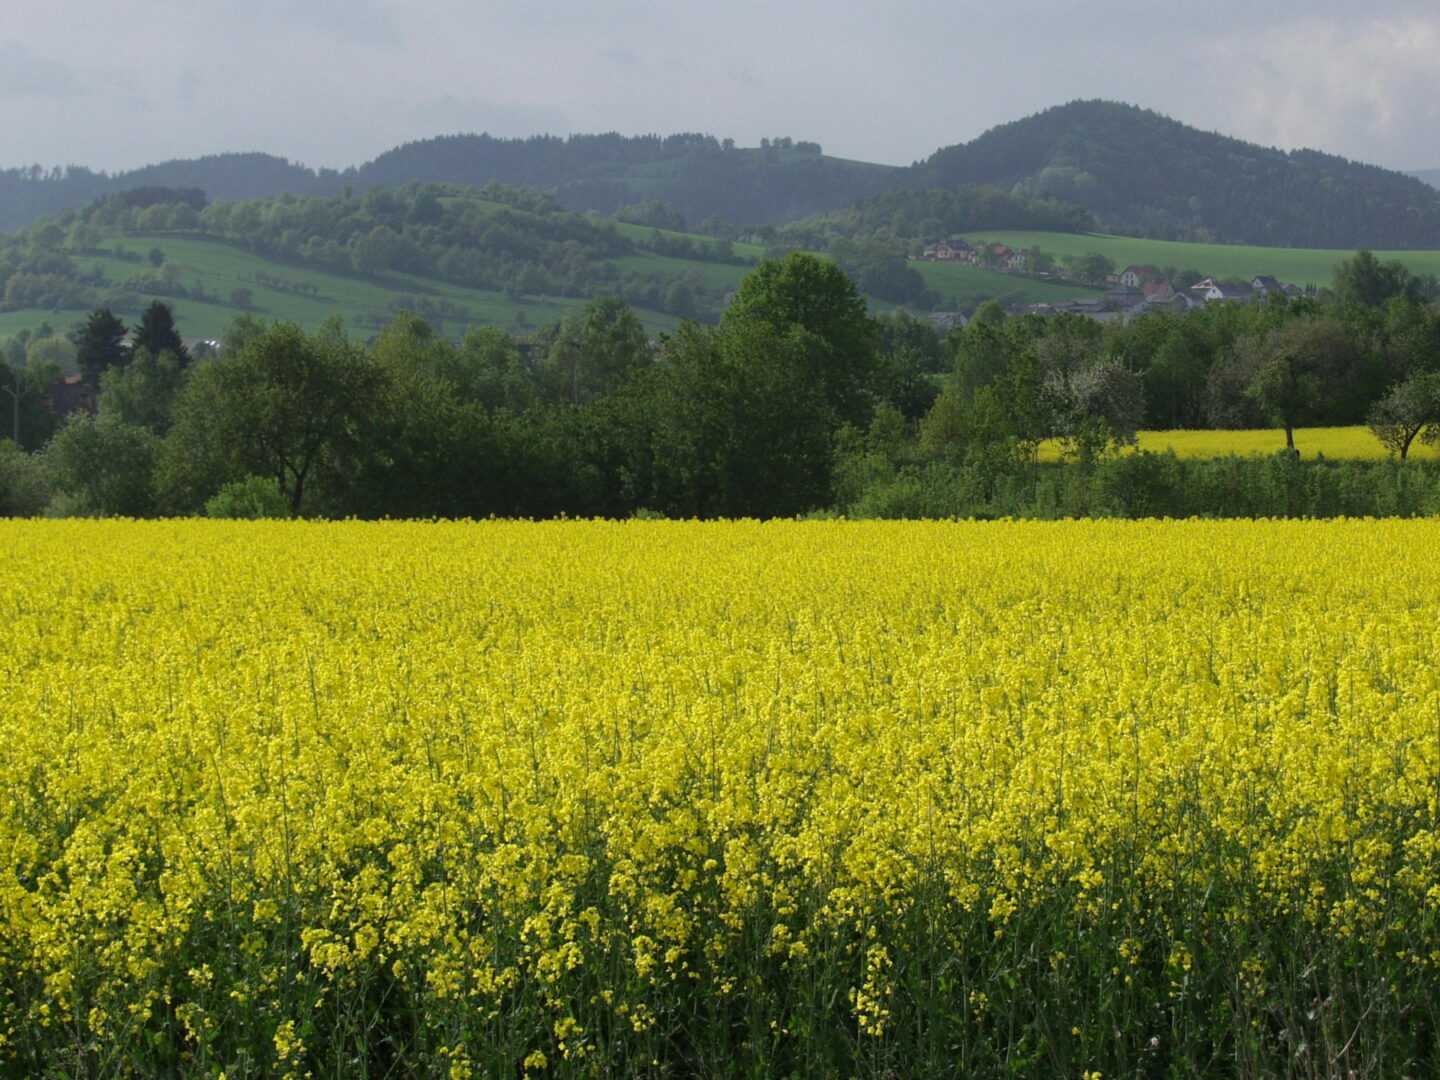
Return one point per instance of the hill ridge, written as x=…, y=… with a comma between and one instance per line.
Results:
x=1138, y=172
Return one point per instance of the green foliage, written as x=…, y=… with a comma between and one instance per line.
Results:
x=51, y=353
x=1363, y=279
x=24, y=484
x=105, y=465
x=900, y=219
x=1408, y=409
x=25, y=414
x=807, y=293
x=652, y=213
x=143, y=392
x=285, y=405
x=1144, y=484
x=594, y=351
x=798, y=402
x=252, y=498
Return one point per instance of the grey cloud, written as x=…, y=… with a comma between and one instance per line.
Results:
x=337, y=81
x=1359, y=84
x=25, y=74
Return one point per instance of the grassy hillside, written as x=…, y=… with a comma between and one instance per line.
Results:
x=1297, y=265
x=456, y=256
x=218, y=268
x=959, y=286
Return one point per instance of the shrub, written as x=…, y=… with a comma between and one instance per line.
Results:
x=253, y=498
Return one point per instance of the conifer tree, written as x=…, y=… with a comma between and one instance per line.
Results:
x=100, y=345
x=157, y=332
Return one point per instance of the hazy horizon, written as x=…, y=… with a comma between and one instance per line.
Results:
x=334, y=84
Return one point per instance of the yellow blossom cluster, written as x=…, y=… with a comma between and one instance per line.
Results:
x=597, y=796
x=1355, y=443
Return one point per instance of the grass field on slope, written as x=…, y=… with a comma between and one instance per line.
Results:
x=960, y=286
x=1301, y=266
x=219, y=267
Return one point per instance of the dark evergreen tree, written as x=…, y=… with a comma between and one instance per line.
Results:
x=100, y=345
x=157, y=332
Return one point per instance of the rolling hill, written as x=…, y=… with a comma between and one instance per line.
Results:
x=456, y=256
x=1136, y=173
x=1143, y=174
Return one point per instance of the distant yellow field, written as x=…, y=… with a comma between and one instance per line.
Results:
x=1352, y=443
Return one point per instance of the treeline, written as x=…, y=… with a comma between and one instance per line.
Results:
x=797, y=402
x=29, y=193
x=1143, y=174
x=1199, y=370
x=698, y=175
x=589, y=419
x=1368, y=355
x=903, y=217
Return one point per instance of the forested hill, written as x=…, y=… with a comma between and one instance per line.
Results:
x=27, y=193
x=1137, y=172
x=1143, y=174
x=697, y=176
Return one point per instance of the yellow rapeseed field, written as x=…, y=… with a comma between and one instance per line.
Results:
x=615, y=798
x=1335, y=443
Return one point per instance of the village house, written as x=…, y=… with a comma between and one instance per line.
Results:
x=1219, y=291
x=1135, y=291
x=1265, y=286
x=1122, y=297
x=1135, y=277
x=948, y=251
x=991, y=256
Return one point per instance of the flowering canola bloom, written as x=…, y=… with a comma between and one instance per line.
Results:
x=603, y=798
x=1355, y=443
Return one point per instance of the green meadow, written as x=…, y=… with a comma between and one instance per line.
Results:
x=209, y=270
x=218, y=268
x=1300, y=266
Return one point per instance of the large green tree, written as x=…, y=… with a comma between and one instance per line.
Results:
x=144, y=391
x=751, y=431
x=1364, y=279
x=106, y=466
x=806, y=293
x=595, y=351
x=286, y=405
x=1407, y=410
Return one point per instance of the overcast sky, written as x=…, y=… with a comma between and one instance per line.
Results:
x=114, y=84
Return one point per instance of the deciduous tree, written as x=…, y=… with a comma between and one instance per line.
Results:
x=286, y=405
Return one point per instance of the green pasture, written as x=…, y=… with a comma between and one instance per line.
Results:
x=1300, y=266
x=641, y=233
x=962, y=287
x=217, y=268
